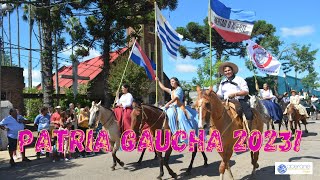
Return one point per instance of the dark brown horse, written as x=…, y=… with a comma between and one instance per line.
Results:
x=156, y=119
x=296, y=117
x=224, y=119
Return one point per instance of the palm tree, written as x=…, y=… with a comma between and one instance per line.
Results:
x=29, y=16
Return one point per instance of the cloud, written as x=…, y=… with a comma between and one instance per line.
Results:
x=186, y=68
x=36, y=77
x=297, y=31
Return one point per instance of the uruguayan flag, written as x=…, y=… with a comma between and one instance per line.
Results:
x=168, y=35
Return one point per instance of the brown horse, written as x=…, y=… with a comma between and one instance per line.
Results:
x=156, y=119
x=224, y=119
x=296, y=117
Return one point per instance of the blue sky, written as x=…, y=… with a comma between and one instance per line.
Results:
x=294, y=20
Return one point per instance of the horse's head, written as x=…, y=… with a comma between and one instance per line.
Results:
x=94, y=115
x=253, y=101
x=136, y=118
x=203, y=107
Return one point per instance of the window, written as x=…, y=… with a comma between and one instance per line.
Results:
x=151, y=29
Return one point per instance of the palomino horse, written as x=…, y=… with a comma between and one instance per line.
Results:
x=257, y=104
x=109, y=122
x=223, y=119
x=156, y=119
x=296, y=117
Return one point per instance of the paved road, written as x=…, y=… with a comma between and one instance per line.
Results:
x=98, y=167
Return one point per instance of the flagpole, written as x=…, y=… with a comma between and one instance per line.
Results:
x=210, y=39
x=254, y=72
x=125, y=69
x=156, y=47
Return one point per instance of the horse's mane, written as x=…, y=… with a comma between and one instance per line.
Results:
x=152, y=106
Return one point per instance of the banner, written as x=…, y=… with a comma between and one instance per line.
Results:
x=262, y=59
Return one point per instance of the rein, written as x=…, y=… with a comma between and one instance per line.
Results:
x=144, y=116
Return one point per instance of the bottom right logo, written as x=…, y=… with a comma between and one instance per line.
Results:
x=293, y=168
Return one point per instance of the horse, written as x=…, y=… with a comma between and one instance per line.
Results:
x=109, y=122
x=156, y=118
x=257, y=104
x=296, y=117
x=224, y=119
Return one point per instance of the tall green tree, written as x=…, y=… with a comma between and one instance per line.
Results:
x=311, y=81
x=108, y=23
x=135, y=76
x=300, y=59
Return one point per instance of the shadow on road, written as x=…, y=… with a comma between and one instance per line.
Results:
x=266, y=173
x=302, y=157
x=43, y=168
x=152, y=163
x=211, y=170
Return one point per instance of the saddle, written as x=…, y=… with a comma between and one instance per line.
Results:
x=236, y=106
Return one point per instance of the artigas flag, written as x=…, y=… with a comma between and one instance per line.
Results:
x=233, y=25
x=169, y=37
x=141, y=59
x=262, y=59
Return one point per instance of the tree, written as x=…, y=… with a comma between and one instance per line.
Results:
x=108, y=23
x=300, y=59
x=311, y=81
x=6, y=57
x=135, y=77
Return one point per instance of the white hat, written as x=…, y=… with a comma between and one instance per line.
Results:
x=58, y=107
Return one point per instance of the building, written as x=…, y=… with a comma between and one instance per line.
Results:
x=92, y=69
x=12, y=85
x=288, y=83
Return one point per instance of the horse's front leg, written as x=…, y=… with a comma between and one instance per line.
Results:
x=159, y=154
x=142, y=154
x=114, y=153
x=166, y=163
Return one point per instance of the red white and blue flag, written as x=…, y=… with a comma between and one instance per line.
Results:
x=141, y=59
x=233, y=25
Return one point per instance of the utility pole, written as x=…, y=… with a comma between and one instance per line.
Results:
x=30, y=51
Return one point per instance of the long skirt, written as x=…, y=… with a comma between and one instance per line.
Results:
x=274, y=110
x=179, y=121
x=123, y=117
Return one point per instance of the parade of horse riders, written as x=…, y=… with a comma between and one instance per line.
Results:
x=124, y=89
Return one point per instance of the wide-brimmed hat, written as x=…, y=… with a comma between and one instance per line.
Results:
x=285, y=93
x=293, y=91
x=58, y=107
x=229, y=64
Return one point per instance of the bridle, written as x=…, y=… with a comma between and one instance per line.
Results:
x=144, y=117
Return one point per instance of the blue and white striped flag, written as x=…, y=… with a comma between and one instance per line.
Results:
x=168, y=35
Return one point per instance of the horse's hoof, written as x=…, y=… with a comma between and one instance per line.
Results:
x=188, y=173
x=160, y=176
x=113, y=168
x=257, y=165
x=139, y=163
x=175, y=176
x=306, y=131
x=205, y=165
x=155, y=158
x=121, y=163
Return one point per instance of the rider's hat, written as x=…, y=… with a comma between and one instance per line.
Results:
x=293, y=91
x=229, y=64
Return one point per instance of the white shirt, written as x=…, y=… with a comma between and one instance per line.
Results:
x=266, y=94
x=295, y=99
x=314, y=99
x=227, y=88
x=125, y=100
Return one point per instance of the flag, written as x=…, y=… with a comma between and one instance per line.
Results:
x=141, y=59
x=262, y=59
x=167, y=34
x=233, y=25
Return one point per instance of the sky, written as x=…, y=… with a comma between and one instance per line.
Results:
x=295, y=22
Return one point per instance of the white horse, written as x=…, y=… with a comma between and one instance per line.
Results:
x=255, y=102
x=109, y=122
